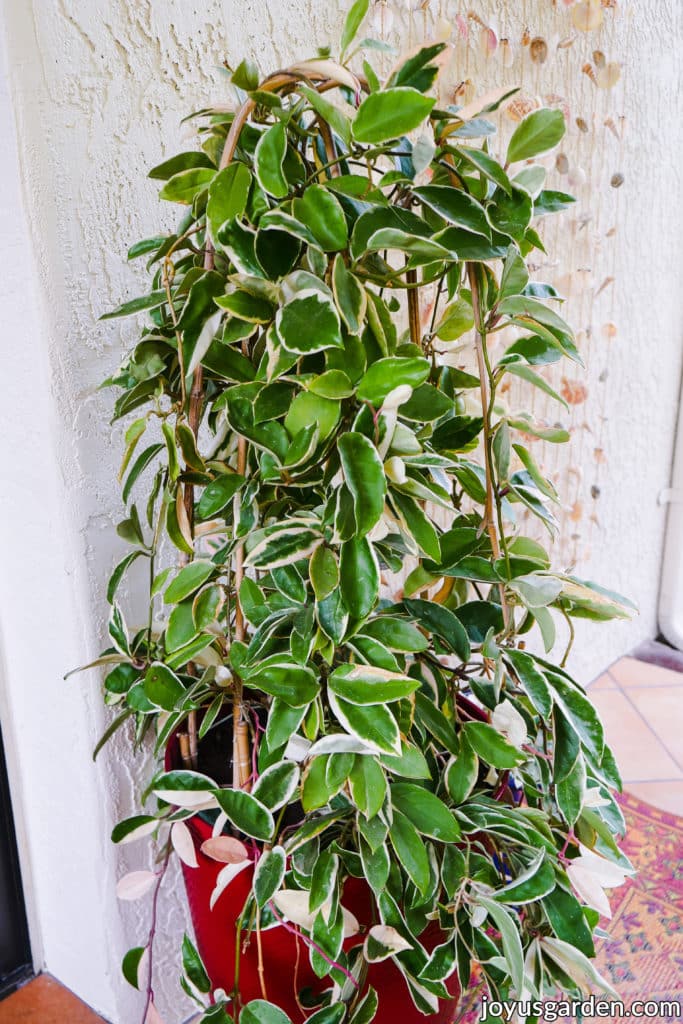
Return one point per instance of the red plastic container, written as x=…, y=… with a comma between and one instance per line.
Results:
x=285, y=957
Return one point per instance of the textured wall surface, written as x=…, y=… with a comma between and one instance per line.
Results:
x=98, y=89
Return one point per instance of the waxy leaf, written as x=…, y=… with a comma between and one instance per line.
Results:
x=537, y=133
x=321, y=212
x=359, y=572
x=228, y=193
x=366, y=684
x=309, y=323
x=387, y=374
x=269, y=874
x=162, y=687
x=456, y=206
x=246, y=813
x=390, y=114
x=189, y=579
x=364, y=475
x=268, y=159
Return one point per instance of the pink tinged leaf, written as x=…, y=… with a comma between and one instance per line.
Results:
x=225, y=877
x=153, y=1016
x=225, y=849
x=135, y=884
x=183, y=844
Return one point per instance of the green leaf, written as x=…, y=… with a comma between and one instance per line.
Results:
x=276, y=785
x=461, y=773
x=426, y=811
x=282, y=544
x=331, y=384
x=390, y=113
x=456, y=206
x=246, y=813
x=532, y=884
x=368, y=785
x=511, y=214
x=397, y=634
x=512, y=943
x=489, y=167
x=568, y=921
x=269, y=874
x=193, y=966
x=322, y=213
x=337, y=120
x=292, y=683
x=139, y=305
x=138, y=467
x=369, y=685
x=310, y=410
x=118, y=574
x=441, y=622
x=374, y=725
x=364, y=475
x=180, y=162
x=417, y=524
x=359, y=574
x=130, y=965
x=491, y=747
x=324, y=572
x=184, y=186
x=352, y=23
x=456, y=319
x=386, y=374
x=258, y=1011
x=410, y=850
x=269, y=156
x=418, y=71
x=309, y=323
x=228, y=194
x=162, y=687
x=218, y=494
x=189, y=579
x=349, y=295
x=532, y=680
x=570, y=791
x=537, y=133
x=244, y=306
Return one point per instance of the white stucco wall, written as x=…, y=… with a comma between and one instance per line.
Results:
x=96, y=89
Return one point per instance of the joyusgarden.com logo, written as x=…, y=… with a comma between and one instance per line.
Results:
x=493, y=1011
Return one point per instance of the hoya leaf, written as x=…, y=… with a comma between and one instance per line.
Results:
x=390, y=113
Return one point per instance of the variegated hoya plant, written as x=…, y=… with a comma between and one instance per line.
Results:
x=315, y=408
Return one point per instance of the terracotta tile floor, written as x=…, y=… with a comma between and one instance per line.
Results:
x=640, y=698
x=45, y=1001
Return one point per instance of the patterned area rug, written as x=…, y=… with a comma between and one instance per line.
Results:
x=643, y=957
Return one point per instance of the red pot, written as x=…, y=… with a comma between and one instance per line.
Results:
x=287, y=968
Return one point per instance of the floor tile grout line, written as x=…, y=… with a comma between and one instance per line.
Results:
x=647, y=782
x=645, y=722
x=641, y=686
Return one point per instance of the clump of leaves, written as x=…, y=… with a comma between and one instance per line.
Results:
x=296, y=444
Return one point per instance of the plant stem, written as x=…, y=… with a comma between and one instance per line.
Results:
x=152, y=932
x=492, y=499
